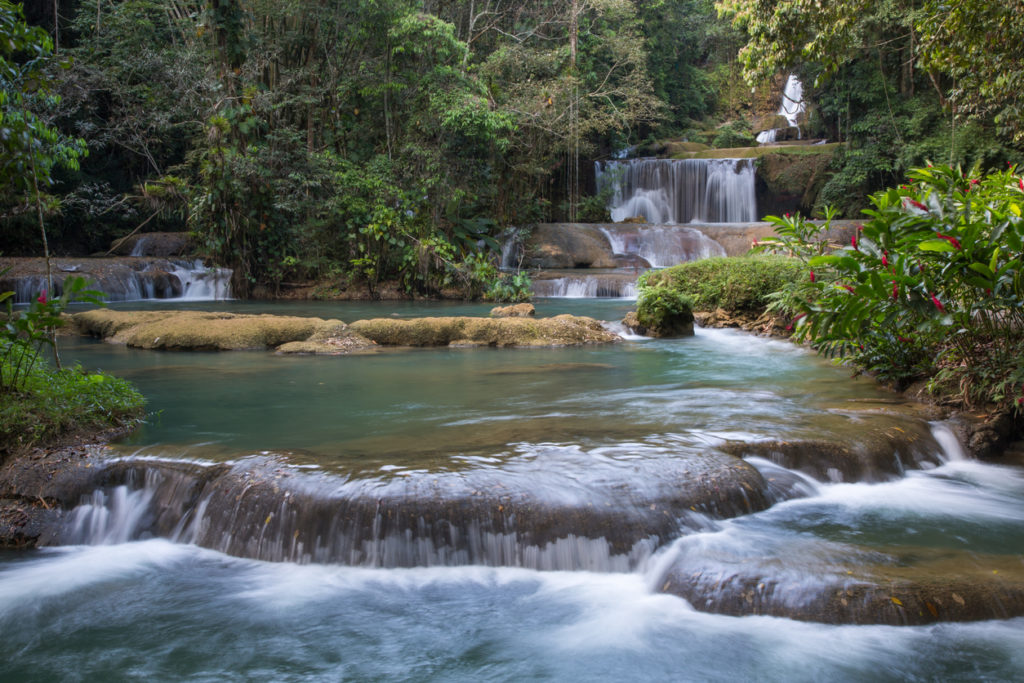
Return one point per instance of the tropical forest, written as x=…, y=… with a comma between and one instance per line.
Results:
x=502, y=340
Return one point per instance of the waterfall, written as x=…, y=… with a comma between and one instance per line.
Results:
x=670, y=191
x=792, y=107
x=132, y=279
x=586, y=287
x=661, y=246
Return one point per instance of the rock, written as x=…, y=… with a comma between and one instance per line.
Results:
x=513, y=311
x=583, y=518
x=194, y=330
x=879, y=447
x=679, y=327
x=634, y=219
x=160, y=244
x=909, y=587
x=552, y=245
x=562, y=330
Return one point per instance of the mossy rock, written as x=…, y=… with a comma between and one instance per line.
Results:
x=562, y=330
x=514, y=311
x=195, y=330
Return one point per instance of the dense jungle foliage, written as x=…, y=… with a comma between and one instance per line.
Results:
x=396, y=140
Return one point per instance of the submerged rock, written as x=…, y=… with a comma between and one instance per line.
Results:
x=568, y=519
x=879, y=448
x=898, y=589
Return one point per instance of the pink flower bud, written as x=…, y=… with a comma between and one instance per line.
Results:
x=42, y=297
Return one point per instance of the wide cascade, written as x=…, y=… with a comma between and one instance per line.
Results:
x=671, y=191
x=134, y=278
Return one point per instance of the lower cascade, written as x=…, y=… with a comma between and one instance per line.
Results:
x=671, y=191
x=122, y=278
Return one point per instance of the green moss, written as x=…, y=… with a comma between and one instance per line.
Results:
x=734, y=284
x=754, y=152
x=60, y=404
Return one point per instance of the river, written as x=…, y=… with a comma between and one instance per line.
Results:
x=573, y=424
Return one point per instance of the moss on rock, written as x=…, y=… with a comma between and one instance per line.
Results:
x=193, y=330
x=562, y=330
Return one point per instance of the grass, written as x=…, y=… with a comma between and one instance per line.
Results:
x=57, y=405
x=743, y=283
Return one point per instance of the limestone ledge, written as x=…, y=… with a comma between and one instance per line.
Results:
x=195, y=330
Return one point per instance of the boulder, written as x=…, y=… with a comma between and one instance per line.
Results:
x=567, y=245
x=562, y=330
x=513, y=311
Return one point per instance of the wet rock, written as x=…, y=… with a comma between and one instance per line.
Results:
x=552, y=245
x=879, y=448
x=260, y=508
x=159, y=244
x=675, y=327
x=513, y=311
x=634, y=220
x=900, y=590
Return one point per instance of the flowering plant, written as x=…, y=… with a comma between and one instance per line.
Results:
x=930, y=285
x=26, y=330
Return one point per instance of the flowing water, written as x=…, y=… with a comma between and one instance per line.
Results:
x=563, y=427
x=670, y=191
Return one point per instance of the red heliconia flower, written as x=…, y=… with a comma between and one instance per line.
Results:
x=988, y=292
x=849, y=289
x=1020, y=181
x=787, y=214
x=918, y=204
x=812, y=276
x=853, y=242
x=938, y=304
x=895, y=291
x=42, y=297
x=885, y=258
x=951, y=240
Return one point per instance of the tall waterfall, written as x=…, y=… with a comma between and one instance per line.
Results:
x=792, y=107
x=668, y=191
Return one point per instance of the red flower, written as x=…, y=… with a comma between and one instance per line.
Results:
x=885, y=258
x=787, y=214
x=895, y=291
x=918, y=204
x=849, y=289
x=1020, y=181
x=853, y=242
x=812, y=276
x=42, y=297
x=951, y=240
x=938, y=304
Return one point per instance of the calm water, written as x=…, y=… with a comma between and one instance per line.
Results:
x=156, y=610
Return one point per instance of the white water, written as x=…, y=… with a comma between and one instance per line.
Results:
x=792, y=107
x=662, y=246
x=585, y=287
x=669, y=191
x=157, y=279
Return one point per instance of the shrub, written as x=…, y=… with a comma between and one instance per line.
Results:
x=930, y=286
x=665, y=311
x=734, y=134
x=735, y=284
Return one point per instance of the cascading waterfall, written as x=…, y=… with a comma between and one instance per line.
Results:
x=792, y=107
x=659, y=245
x=672, y=191
x=132, y=280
